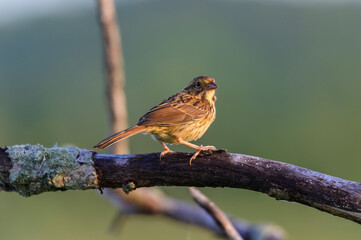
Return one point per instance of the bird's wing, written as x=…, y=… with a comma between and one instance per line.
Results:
x=177, y=109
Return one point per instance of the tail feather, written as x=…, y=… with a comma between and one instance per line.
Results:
x=119, y=136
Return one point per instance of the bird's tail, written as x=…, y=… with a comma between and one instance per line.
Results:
x=120, y=136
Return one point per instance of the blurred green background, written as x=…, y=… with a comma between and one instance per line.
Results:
x=289, y=77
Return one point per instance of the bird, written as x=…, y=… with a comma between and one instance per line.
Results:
x=183, y=117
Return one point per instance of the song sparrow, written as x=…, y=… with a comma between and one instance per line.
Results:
x=181, y=118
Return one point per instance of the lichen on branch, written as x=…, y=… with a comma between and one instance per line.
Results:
x=36, y=169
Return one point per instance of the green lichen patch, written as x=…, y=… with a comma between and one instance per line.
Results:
x=37, y=169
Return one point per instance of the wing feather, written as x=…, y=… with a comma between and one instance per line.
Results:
x=178, y=109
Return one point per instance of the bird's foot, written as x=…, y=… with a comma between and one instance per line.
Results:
x=164, y=153
x=206, y=148
x=199, y=150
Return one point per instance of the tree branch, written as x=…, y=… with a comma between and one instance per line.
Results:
x=30, y=170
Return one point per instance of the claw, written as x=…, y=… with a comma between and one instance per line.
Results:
x=166, y=150
x=199, y=150
x=194, y=157
x=164, y=153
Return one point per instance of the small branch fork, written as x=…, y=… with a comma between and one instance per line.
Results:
x=152, y=201
x=210, y=169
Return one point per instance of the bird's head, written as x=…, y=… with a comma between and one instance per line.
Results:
x=202, y=87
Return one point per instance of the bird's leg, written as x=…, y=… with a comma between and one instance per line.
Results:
x=198, y=148
x=166, y=149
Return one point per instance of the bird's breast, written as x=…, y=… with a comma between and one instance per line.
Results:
x=188, y=131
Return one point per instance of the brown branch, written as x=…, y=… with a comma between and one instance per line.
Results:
x=217, y=214
x=115, y=79
x=34, y=170
x=220, y=169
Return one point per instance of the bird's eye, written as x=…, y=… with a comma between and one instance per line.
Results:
x=198, y=84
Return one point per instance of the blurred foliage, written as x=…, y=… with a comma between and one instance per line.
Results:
x=289, y=80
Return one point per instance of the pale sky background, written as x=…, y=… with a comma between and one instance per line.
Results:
x=20, y=10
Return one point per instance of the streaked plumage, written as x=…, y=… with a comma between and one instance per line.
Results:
x=183, y=117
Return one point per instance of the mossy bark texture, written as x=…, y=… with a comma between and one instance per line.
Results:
x=36, y=169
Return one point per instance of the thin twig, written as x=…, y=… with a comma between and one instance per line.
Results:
x=115, y=79
x=217, y=214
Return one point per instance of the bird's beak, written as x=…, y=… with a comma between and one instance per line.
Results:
x=212, y=85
